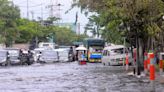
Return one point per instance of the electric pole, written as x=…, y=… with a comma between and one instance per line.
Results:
x=55, y=9
x=32, y=13
x=42, y=11
x=27, y=9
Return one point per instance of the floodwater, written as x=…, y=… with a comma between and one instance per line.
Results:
x=71, y=77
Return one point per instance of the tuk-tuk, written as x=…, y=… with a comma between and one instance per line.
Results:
x=81, y=53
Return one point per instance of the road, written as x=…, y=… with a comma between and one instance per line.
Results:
x=71, y=77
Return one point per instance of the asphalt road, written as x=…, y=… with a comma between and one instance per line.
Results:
x=71, y=77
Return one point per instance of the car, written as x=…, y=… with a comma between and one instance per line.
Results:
x=48, y=56
x=36, y=53
x=3, y=58
x=64, y=55
x=14, y=56
x=71, y=50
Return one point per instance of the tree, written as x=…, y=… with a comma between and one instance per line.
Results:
x=28, y=30
x=9, y=14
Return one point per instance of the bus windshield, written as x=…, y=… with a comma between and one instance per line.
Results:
x=95, y=47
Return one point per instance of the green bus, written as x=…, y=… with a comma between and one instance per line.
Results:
x=95, y=47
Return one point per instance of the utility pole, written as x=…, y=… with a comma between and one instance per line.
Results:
x=51, y=7
x=27, y=9
x=55, y=9
x=42, y=11
x=78, y=28
x=32, y=13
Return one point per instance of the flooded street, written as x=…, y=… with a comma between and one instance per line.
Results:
x=71, y=77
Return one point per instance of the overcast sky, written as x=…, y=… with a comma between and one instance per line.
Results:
x=36, y=6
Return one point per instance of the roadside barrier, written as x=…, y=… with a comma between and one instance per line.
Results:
x=152, y=72
x=150, y=59
x=127, y=62
x=152, y=77
x=161, y=66
x=161, y=63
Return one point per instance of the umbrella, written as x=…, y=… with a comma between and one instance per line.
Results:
x=81, y=48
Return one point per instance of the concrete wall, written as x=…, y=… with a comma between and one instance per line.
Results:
x=21, y=46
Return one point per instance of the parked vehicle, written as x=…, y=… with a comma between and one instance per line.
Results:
x=115, y=55
x=3, y=57
x=47, y=45
x=14, y=56
x=71, y=50
x=37, y=53
x=48, y=56
x=64, y=55
x=27, y=57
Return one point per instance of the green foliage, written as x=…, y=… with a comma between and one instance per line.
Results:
x=30, y=29
x=8, y=17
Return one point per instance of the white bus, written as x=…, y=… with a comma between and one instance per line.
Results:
x=115, y=55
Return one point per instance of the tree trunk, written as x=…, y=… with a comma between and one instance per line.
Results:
x=141, y=53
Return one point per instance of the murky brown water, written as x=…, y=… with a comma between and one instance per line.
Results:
x=71, y=77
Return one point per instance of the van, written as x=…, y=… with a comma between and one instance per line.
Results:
x=115, y=55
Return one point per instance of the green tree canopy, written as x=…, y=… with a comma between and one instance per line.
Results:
x=9, y=14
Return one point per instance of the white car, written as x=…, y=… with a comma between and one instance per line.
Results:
x=115, y=55
x=37, y=53
x=48, y=56
x=64, y=55
x=3, y=57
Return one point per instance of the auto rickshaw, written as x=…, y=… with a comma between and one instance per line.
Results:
x=81, y=53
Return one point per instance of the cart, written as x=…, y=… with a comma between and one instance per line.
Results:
x=81, y=53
